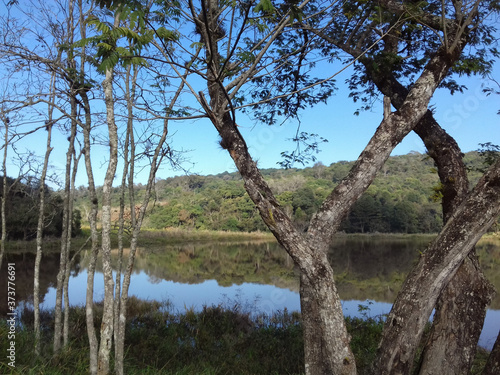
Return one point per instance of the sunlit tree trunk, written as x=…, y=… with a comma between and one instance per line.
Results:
x=70, y=175
x=94, y=234
x=94, y=207
x=68, y=216
x=40, y=227
x=108, y=304
x=3, y=236
x=128, y=162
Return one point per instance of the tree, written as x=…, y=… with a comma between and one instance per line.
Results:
x=385, y=69
x=234, y=63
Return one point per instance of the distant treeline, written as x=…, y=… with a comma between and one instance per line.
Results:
x=404, y=198
x=21, y=210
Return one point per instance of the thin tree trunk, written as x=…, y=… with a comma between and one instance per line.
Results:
x=119, y=352
x=68, y=216
x=94, y=209
x=108, y=305
x=39, y=234
x=94, y=233
x=70, y=173
x=3, y=237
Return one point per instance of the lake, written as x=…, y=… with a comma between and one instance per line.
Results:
x=257, y=276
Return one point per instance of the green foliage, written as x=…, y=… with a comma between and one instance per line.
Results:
x=123, y=44
x=22, y=207
x=404, y=198
x=264, y=6
x=489, y=152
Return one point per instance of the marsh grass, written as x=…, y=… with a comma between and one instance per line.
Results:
x=177, y=235
x=222, y=339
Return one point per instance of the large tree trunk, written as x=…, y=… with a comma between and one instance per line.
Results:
x=418, y=296
x=448, y=333
x=323, y=351
x=458, y=322
x=326, y=340
x=493, y=365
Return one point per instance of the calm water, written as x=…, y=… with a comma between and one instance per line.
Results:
x=259, y=276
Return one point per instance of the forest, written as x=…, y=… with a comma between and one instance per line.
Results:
x=404, y=198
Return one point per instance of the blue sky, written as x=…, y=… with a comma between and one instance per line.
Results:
x=471, y=118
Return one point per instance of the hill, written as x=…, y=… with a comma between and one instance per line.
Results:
x=404, y=198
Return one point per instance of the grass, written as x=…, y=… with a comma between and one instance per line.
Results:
x=215, y=340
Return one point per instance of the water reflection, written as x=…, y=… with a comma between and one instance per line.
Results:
x=258, y=275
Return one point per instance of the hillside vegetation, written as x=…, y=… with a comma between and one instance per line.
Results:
x=405, y=198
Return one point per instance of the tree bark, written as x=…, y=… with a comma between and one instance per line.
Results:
x=39, y=237
x=68, y=215
x=108, y=304
x=94, y=233
x=121, y=300
x=94, y=207
x=406, y=322
x=448, y=333
x=493, y=365
x=458, y=321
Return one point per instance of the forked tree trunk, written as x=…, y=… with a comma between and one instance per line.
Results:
x=469, y=290
x=326, y=340
x=418, y=296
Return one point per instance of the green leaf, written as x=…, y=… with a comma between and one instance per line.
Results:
x=264, y=6
x=167, y=35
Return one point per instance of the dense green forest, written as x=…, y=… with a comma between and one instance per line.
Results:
x=21, y=210
x=405, y=197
